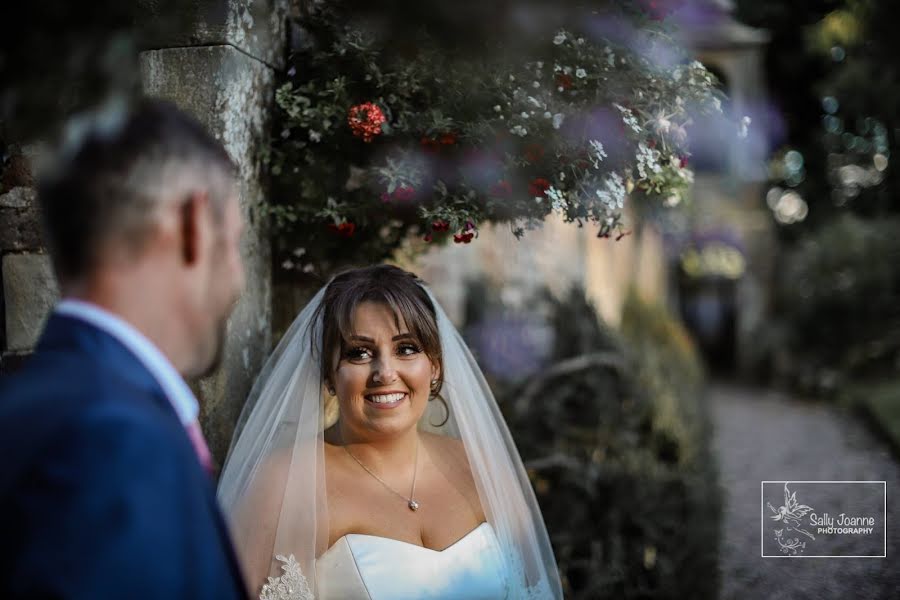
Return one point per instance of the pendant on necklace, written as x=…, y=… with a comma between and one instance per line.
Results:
x=413, y=505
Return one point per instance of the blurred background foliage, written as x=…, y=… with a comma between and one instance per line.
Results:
x=840, y=299
x=615, y=433
x=833, y=73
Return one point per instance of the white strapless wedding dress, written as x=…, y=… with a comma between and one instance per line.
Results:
x=368, y=567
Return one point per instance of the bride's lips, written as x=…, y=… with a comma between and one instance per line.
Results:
x=386, y=400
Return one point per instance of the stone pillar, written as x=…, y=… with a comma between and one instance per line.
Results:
x=28, y=289
x=219, y=65
x=226, y=79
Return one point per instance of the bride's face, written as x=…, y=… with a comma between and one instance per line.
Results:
x=382, y=376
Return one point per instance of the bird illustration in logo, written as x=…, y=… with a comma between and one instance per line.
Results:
x=791, y=513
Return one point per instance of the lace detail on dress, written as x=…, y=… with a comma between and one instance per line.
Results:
x=290, y=586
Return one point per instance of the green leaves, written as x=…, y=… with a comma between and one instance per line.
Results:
x=466, y=136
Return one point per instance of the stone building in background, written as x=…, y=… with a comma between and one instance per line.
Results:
x=220, y=67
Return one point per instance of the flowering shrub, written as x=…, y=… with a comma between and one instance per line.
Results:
x=376, y=144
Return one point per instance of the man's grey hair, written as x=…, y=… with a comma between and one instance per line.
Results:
x=115, y=170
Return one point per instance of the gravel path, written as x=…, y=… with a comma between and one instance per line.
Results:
x=763, y=435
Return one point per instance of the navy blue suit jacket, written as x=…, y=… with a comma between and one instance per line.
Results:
x=101, y=492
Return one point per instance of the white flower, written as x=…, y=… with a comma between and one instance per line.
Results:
x=558, y=120
x=663, y=124
x=519, y=131
x=497, y=108
x=315, y=136
x=628, y=118
x=548, y=115
x=612, y=195
x=540, y=64
x=647, y=160
x=560, y=38
x=557, y=199
x=673, y=200
x=524, y=115
x=534, y=101
x=580, y=73
x=597, y=153
x=535, y=84
x=580, y=40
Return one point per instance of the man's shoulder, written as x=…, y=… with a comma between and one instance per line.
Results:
x=57, y=402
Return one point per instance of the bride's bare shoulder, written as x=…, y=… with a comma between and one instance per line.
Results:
x=446, y=447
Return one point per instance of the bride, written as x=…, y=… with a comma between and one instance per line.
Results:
x=371, y=460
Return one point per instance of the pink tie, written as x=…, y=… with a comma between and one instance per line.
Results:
x=194, y=432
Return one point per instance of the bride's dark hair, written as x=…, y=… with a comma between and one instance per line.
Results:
x=391, y=286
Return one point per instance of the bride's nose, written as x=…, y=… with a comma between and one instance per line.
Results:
x=384, y=372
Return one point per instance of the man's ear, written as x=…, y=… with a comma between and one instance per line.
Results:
x=193, y=227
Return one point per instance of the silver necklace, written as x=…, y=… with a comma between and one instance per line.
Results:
x=412, y=504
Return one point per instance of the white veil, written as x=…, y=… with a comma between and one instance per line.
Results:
x=272, y=487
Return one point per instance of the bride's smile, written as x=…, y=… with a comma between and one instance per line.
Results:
x=387, y=399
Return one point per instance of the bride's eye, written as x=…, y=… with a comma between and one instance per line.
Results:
x=408, y=349
x=357, y=353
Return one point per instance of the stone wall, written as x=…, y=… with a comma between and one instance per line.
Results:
x=220, y=67
x=28, y=288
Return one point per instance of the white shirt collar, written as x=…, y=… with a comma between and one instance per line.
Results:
x=174, y=387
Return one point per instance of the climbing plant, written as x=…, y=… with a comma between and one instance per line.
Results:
x=388, y=138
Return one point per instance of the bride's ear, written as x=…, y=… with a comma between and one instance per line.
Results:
x=435, y=371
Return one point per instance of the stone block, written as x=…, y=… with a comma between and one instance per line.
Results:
x=231, y=93
x=18, y=197
x=16, y=174
x=20, y=223
x=256, y=27
x=29, y=292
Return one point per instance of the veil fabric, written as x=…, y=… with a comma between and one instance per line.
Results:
x=272, y=487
